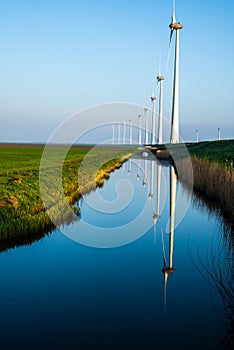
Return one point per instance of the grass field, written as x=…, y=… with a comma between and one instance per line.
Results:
x=21, y=208
x=214, y=151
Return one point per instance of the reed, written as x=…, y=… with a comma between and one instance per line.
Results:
x=211, y=178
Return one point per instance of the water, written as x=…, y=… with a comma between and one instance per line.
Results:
x=60, y=294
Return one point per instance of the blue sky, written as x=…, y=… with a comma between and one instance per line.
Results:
x=58, y=57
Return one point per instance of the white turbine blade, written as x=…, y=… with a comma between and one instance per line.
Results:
x=160, y=63
x=171, y=35
x=173, y=19
x=169, y=51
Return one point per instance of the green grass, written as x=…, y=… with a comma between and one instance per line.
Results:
x=214, y=151
x=213, y=172
x=21, y=208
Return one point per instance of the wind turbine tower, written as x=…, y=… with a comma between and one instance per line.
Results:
x=160, y=79
x=113, y=134
x=175, y=103
x=139, y=134
x=130, y=131
x=219, y=134
x=119, y=131
x=124, y=132
x=197, y=133
x=146, y=126
x=153, y=138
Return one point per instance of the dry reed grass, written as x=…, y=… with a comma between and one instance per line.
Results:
x=212, y=179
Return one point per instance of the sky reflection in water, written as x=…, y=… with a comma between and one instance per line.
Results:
x=63, y=295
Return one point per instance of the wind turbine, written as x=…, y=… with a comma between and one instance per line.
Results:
x=175, y=102
x=197, y=133
x=219, y=134
x=130, y=142
x=160, y=79
x=146, y=126
x=124, y=132
x=119, y=130
x=113, y=134
x=153, y=139
x=139, y=134
x=130, y=131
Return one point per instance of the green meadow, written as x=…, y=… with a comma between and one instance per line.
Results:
x=22, y=210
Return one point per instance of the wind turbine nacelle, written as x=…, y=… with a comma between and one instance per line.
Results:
x=153, y=98
x=156, y=217
x=160, y=78
x=175, y=26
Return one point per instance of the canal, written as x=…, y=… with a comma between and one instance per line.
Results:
x=147, y=266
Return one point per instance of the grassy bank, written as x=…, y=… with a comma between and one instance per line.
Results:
x=213, y=172
x=22, y=211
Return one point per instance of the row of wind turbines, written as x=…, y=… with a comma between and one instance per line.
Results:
x=150, y=136
x=198, y=135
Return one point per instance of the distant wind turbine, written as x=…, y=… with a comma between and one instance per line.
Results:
x=130, y=131
x=153, y=138
x=113, y=134
x=160, y=79
x=119, y=130
x=146, y=126
x=139, y=134
x=124, y=132
x=197, y=134
x=175, y=103
x=219, y=134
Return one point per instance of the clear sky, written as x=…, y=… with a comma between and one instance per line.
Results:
x=61, y=56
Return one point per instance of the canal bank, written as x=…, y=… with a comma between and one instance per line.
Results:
x=22, y=211
x=213, y=171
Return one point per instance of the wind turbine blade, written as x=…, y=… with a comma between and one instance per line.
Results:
x=160, y=63
x=169, y=51
x=171, y=35
x=173, y=19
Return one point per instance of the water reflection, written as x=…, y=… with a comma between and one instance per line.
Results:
x=127, y=288
x=152, y=173
x=168, y=269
